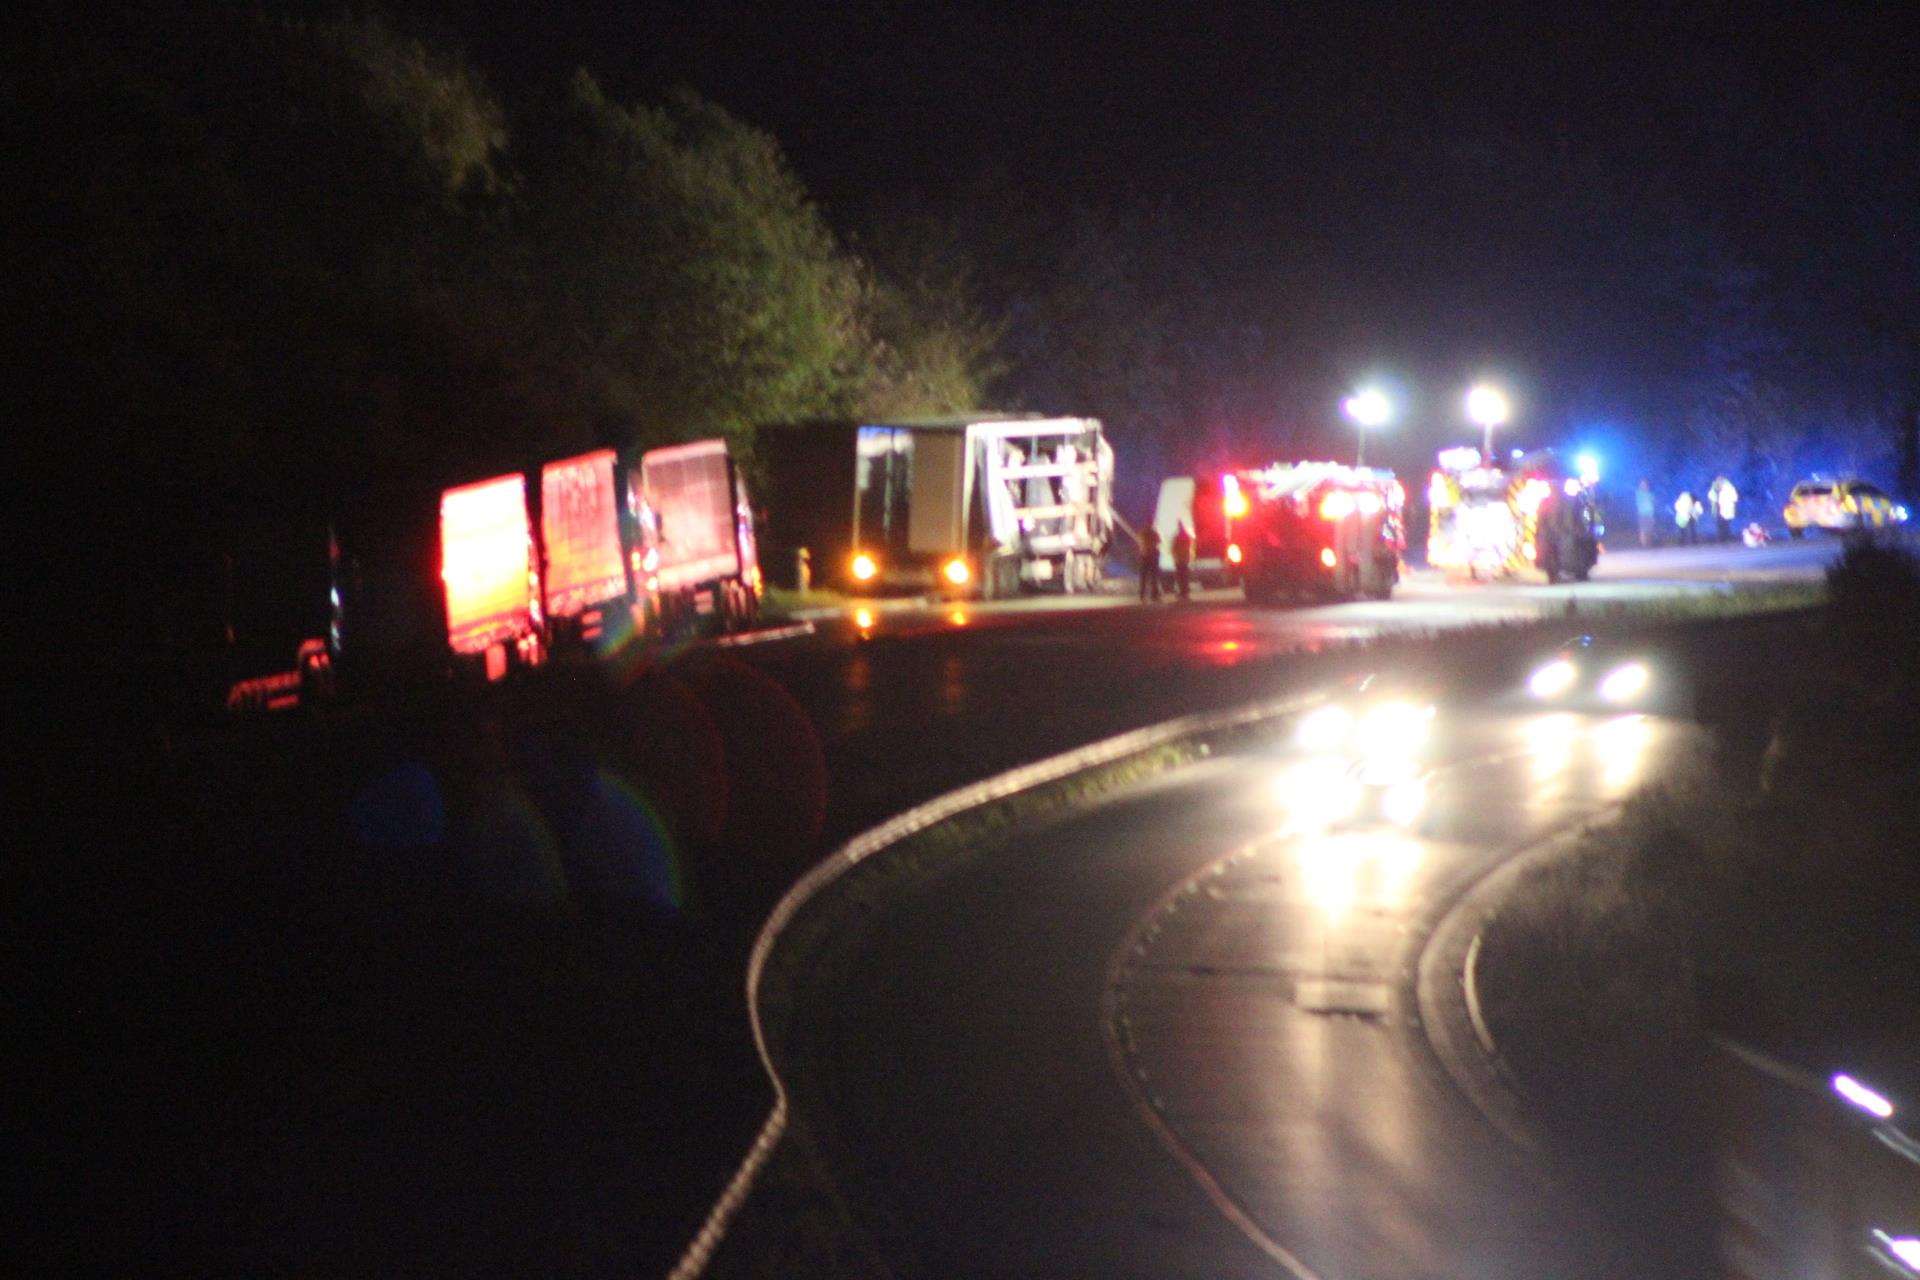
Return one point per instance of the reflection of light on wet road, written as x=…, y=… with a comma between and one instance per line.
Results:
x=958, y=617
x=1550, y=741
x=1621, y=744
x=1316, y=793
x=1404, y=802
x=1367, y=870
x=863, y=619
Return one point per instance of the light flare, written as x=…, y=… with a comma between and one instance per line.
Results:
x=1862, y=1097
x=1553, y=679
x=1326, y=728
x=1625, y=682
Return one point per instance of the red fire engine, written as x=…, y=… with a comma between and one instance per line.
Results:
x=1315, y=529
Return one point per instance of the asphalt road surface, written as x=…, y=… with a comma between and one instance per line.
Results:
x=1177, y=1035
x=1006, y=683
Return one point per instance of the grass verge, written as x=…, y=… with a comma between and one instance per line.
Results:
x=1773, y=898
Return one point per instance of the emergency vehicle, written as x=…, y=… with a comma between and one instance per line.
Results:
x=1819, y=503
x=1489, y=520
x=1315, y=529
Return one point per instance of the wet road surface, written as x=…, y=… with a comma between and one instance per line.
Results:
x=1001, y=684
x=1177, y=1034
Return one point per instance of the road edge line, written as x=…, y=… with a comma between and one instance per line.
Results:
x=1447, y=986
x=1170, y=1140
x=713, y=1231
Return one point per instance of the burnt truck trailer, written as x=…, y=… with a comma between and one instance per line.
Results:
x=981, y=505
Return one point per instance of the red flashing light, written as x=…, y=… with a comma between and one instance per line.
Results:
x=1232, y=501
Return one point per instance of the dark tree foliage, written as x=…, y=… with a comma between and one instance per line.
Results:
x=276, y=264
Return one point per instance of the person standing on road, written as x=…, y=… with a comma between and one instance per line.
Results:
x=1183, y=560
x=1149, y=562
x=1685, y=508
x=1643, y=507
x=1725, y=501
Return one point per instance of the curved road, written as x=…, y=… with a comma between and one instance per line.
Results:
x=1177, y=1035
x=1001, y=684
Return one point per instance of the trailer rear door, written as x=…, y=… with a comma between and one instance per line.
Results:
x=936, y=516
x=486, y=549
x=580, y=528
x=689, y=490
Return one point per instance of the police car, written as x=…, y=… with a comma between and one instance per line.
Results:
x=1840, y=504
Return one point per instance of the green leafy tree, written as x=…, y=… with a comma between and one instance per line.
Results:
x=932, y=348
x=682, y=275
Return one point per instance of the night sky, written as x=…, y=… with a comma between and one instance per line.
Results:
x=1442, y=159
x=1304, y=118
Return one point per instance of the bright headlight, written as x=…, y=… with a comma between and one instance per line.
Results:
x=957, y=572
x=1395, y=727
x=1403, y=802
x=1325, y=729
x=1625, y=683
x=864, y=567
x=1553, y=679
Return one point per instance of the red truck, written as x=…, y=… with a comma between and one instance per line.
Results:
x=1316, y=529
x=586, y=587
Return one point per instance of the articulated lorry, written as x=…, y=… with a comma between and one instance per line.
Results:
x=982, y=505
x=383, y=596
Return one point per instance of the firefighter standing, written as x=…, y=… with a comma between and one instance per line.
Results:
x=1643, y=507
x=1149, y=563
x=1725, y=501
x=1183, y=561
x=1686, y=517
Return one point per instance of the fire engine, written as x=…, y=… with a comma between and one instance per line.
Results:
x=1315, y=529
x=1529, y=516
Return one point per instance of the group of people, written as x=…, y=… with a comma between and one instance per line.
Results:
x=1690, y=512
x=1182, y=550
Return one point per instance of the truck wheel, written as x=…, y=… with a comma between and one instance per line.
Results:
x=1795, y=532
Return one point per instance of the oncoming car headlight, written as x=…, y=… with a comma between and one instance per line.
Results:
x=1553, y=679
x=1625, y=682
x=1395, y=726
